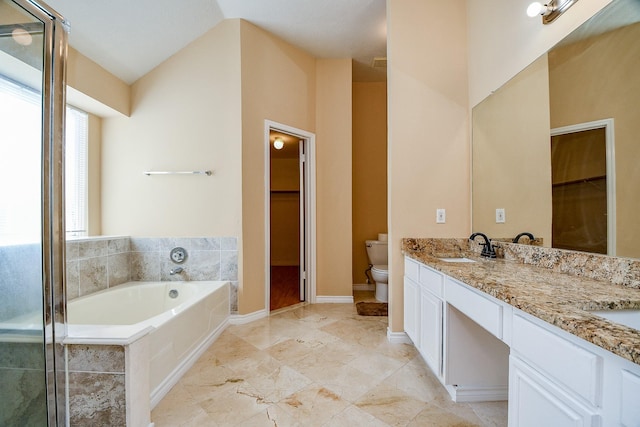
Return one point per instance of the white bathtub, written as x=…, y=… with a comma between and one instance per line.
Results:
x=178, y=330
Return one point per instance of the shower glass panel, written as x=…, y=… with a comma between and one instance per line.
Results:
x=30, y=254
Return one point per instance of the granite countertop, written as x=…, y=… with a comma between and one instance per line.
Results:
x=560, y=299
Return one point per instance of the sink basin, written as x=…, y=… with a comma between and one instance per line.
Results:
x=457, y=260
x=630, y=318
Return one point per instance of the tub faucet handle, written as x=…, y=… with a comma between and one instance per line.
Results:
x=176, y=270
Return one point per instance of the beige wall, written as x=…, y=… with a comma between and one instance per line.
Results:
x=612, y=63
x=333, y=174
x=369, y=170
x=511, y=157
x=428, y=149
x=278, y=83
x=206, y=108
x=503, y=40
x=185, y=115
x=94, y=89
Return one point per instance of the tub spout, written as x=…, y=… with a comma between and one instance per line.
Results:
x=176, y=270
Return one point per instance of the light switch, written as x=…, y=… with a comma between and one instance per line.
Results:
x=500, y=216
x=440, y=216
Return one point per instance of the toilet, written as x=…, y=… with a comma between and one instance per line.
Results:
x=377, y=253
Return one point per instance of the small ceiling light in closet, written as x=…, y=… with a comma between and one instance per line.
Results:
x=278, y=143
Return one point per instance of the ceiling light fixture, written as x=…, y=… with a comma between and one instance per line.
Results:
x=549, y=11
x=278, y=143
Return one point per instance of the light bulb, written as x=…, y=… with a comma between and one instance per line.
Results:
x=21, y=36
x=278, y=144
x=537, y=8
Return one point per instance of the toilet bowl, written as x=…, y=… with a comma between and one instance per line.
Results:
x=381, y=277
x=377, y=253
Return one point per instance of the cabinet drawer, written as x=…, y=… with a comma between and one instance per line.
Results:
x=572, y=366
x=478, y=308
x=431, y=280
x=411, y=269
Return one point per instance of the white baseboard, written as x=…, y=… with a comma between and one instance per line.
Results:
x=364, y=287
x=334, y=300
x=477, y=393
x=172, y=379
x=398, y=337
x=241, y=319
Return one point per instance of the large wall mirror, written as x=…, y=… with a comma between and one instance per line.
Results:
x=558, y=146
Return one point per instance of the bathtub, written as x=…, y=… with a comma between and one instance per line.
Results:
x=179, y=320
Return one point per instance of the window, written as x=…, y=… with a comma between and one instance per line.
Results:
x=76, y=172
x=21, y=165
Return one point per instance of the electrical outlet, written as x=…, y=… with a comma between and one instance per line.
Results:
x=500, y=216
x=440, y=216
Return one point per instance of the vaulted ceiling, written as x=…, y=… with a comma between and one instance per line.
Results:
x=131, y=37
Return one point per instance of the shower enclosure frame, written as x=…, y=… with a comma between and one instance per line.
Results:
x=52, y=204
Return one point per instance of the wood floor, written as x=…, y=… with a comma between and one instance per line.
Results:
x=285, y=286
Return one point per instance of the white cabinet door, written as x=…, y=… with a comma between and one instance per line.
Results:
x=412, y=310
x=534, y=401
x=431, y=330
x=630, y=402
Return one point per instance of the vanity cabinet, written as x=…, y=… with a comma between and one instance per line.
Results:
x=411, y=300
x=630, y=400
x=431, y=330
x=431, y=307
x=558, y=379
x=482, y=349
x=553, y=381
x=443, y=335
x=535, y=401
x=423, y=311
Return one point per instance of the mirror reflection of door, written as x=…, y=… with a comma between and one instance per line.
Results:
x=286, y=217
x=579, y=191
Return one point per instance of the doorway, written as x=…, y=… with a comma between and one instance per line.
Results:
x=583, y=187
x=289, y=216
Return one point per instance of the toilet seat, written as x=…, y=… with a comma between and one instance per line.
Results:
x=382, y=268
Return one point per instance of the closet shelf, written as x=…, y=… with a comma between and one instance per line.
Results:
x=580, y=181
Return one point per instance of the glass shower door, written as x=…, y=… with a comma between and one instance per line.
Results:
x=31, y=255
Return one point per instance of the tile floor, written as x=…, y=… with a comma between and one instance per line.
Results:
x=315, y=365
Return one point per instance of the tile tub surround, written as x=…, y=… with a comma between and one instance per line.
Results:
x=108, y=384
x=551, y=294
x=95, y=264
x=96, y=385
x=98, y=263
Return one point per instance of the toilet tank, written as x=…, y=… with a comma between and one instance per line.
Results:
x=377, y=252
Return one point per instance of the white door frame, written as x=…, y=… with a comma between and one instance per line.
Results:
x=310, y=195
x=607, y=124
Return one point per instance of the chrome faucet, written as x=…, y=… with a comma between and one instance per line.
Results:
x=176, y=270
x=529, y=235
x=488, y=250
